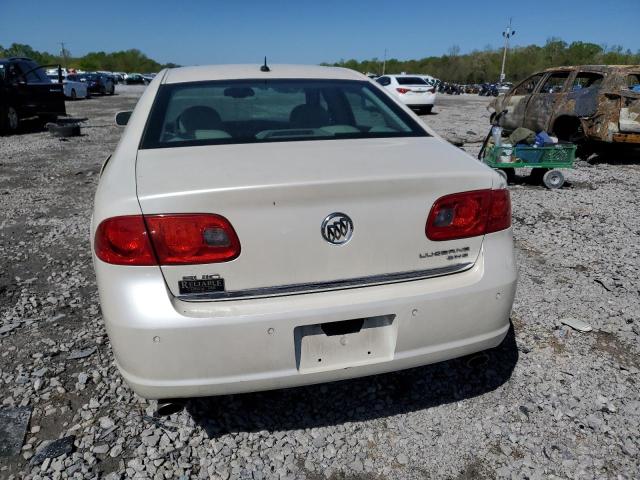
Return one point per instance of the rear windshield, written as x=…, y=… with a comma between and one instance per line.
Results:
x=251, y=111
x=411, y=81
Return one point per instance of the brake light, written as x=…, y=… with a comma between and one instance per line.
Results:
x=124, y=241
x=192, y=238
x=173, y=239
x=403, y=90
x=500, y=214
x=469, y=214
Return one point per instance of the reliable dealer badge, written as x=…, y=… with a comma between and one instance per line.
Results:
x=206, y=284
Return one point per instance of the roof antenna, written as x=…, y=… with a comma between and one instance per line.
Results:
x=265, y=67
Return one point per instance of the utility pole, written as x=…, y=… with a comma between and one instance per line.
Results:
x=64, y=55
x=507, y=34
x=384, y=62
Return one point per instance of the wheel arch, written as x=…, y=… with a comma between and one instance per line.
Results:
x=568, y=127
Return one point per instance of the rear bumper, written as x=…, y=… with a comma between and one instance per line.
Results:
x=418, y=100
x=167, y=348
x=630, y=138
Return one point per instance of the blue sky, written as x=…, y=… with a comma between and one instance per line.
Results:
x=202, y=32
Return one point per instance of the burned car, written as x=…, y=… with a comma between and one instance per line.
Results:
x=591, y=105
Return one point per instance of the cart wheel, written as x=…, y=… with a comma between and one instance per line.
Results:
x=553, y=179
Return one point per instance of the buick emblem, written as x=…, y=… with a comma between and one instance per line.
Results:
x=337, y=228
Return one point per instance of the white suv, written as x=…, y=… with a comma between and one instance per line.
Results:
x=412, y=90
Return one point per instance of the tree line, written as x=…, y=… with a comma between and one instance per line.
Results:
x=132, y=60
x=476, y=67
x=484, y=65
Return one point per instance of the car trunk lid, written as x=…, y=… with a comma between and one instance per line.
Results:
x=277, y=195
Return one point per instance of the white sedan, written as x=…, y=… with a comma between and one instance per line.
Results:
x=262, y=228
x=72, y=89
x=412, y=90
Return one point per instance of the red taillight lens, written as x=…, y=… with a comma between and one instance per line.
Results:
x=178, y=239
x=403, y=90
x=192, y=238
x=469, y=214
x=500, y=214
x=124, y=241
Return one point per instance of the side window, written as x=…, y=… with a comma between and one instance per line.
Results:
x=555, y=82
x=384, y=81
x=587, y=80
x=34, y=74
x=529, y=85
x=14, y=72
x=633, y=82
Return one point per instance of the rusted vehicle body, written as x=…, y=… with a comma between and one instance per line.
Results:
x=590, y=104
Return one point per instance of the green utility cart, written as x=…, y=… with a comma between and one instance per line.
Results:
x=545, y=161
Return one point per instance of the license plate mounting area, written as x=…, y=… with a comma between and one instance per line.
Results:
x=344, y=344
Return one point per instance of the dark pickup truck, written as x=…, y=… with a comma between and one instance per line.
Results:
x=27, y=92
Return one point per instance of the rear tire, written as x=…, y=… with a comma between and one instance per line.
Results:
x=73, y=94
x=112, y=90
x=553, y=179
x=64, y=131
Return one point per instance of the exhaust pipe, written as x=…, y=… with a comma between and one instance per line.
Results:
x=169, y=406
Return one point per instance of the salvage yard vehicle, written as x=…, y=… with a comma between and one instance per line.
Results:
x=27, y=92
x=412, y=90
x=98, y=83
x=73, y=89
x=267, y=227
x=591, y=105
x=135, y=79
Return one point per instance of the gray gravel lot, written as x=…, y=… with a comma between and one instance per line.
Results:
x=550, y=402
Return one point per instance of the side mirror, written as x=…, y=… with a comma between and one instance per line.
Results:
x=122, y=118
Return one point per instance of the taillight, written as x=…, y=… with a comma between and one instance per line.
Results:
x=192, y=238
x=500, y=214
x=173, y=239
x=403, y=90
x=469, y=214
x=124, y=241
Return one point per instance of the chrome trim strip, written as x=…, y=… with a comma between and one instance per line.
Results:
x=301, y=288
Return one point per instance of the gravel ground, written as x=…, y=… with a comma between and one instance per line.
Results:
x=550, y=402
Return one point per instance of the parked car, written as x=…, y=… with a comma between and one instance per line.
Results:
x=98, y=83
x=504, y=87
x=489, y=90
x=592, y=105
x=135, y=79
x=72, y=88
x=266, y=228
x=27, y=92
x=119, y=77
x=412, y=90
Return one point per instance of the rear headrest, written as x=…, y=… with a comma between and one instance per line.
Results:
x=199, y=117
x=308, y=116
